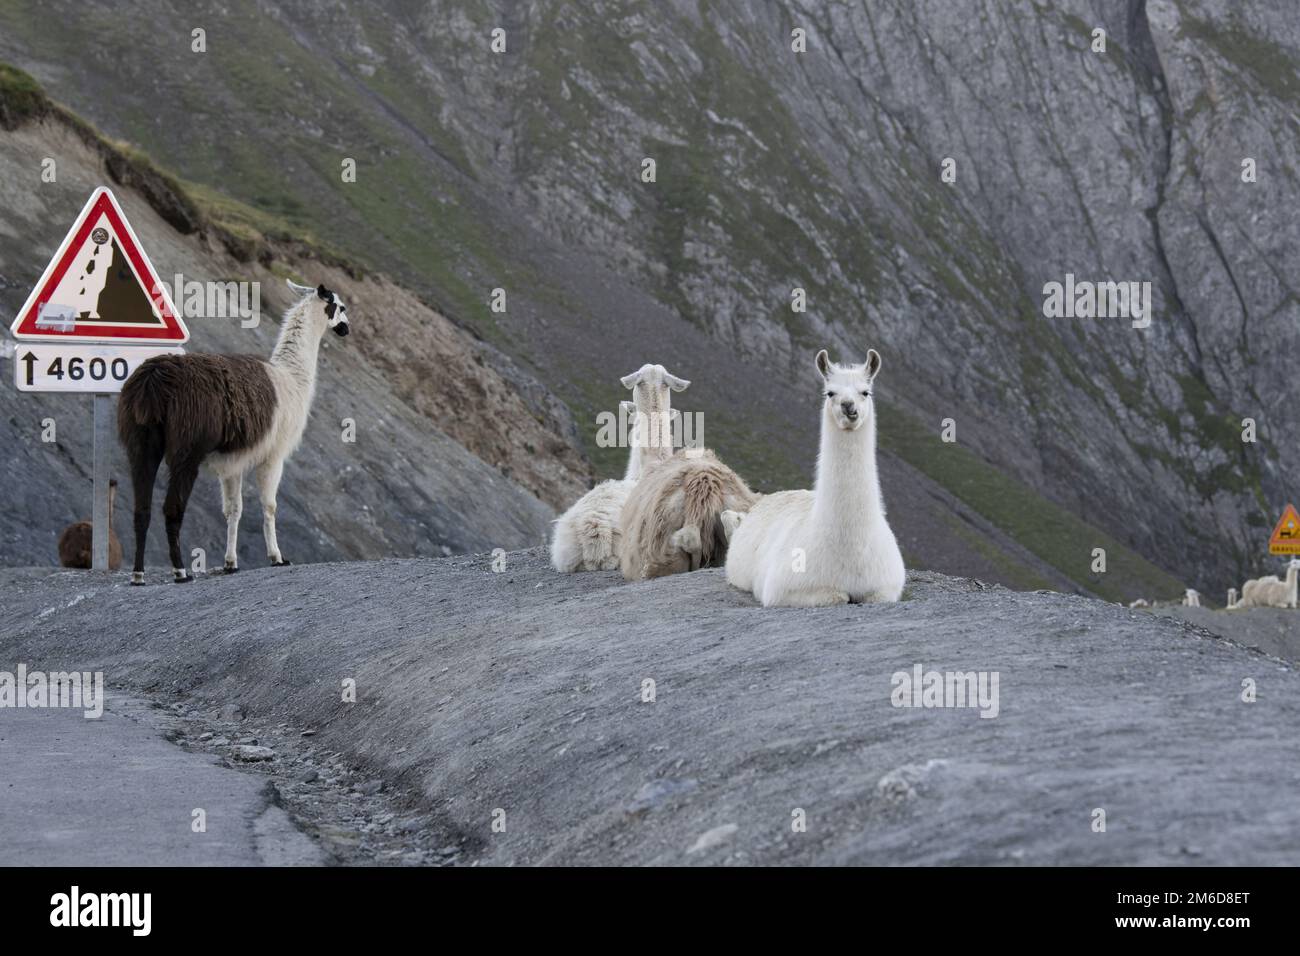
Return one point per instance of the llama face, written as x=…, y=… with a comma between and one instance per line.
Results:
x=651, y=387
x=847, y=390
x=336, y=313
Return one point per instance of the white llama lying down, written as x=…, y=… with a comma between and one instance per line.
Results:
x=831, y=545
x=1268, y=591
x=588, y=536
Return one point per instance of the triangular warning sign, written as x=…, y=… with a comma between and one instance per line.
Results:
x=100, y=285
x=1286, y=536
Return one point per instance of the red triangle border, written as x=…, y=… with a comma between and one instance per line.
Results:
x=102, y=202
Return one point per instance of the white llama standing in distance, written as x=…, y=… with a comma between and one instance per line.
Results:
x=831, y=545
x=1192, y=598
x=1268, y=591
x=231, y=412
x=588, y=537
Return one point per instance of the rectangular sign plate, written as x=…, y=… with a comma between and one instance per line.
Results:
x=101, y=369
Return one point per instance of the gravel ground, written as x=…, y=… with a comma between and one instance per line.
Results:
x=505, y=713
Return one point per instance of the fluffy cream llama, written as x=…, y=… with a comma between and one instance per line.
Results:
x=831, y=545
x=1268, y=591
x=588, y=537
x=672, y=521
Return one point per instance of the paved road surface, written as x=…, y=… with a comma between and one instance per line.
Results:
x=112, y=791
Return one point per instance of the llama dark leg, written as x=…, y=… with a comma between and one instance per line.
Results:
x=183, y=475
x=146, y=454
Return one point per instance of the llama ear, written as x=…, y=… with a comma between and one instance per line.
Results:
x=629, y=381
x=325, y=293
x=300, y=289
x=873, y=363
x=823, y=363
x=675, y=383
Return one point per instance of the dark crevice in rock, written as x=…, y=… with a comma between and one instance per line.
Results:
x=1148, y=68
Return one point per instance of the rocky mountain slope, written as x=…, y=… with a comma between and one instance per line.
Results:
x=443, y=421
x=818, y=170
x=521, y=695
x=480, y=397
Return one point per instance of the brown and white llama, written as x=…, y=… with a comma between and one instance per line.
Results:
x=232, y=412
x=673, y=518
x=76, y=544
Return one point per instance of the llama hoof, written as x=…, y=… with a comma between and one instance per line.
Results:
x=137, y=579
x=188, y=579
x=281, y=564
x=230, y=569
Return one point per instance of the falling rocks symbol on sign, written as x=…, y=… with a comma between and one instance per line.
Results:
x=121, y=298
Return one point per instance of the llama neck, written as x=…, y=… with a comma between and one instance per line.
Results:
x=847, y=492
x=652, y=437
x=298, y=345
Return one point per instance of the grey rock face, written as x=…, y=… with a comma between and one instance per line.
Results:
x=822, y=170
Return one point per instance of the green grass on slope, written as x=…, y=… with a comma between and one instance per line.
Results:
x=323, y=111
x=1055, y=535
x=21, y=97
x=1271, y=65
x=1020, y=576
x=185, y=205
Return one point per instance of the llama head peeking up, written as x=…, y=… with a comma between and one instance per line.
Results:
x=848, y=390
x=332, y=307
x=652, y=387
x=651, y=384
